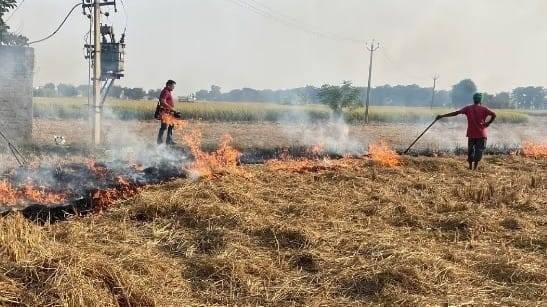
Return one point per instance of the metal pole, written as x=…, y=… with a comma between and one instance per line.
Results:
x=96, y=109
x=372, y=48
x=416, y=140
x=14, y=151
x=435, y=78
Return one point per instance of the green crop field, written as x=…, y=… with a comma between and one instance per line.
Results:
x=73, y=108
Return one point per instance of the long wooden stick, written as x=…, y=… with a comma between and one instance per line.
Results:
x=416, y=140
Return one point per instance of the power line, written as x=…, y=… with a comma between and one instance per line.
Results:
x=288, y=21
x=58, y=28
x=388, y=60
x=303, y=26
x=125, y=14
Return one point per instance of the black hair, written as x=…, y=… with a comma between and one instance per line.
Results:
x=170, y=82
x=477, y=98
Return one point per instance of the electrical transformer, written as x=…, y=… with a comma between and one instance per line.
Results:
x=112, y=60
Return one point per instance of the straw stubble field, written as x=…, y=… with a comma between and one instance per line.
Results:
x=308, y=232
x=427, y=232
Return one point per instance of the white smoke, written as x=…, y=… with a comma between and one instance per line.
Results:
x=126, y=145
x=333, y=134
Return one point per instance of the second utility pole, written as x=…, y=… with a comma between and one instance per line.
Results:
x=96, y=109
x=435, y=78
x=372, y=47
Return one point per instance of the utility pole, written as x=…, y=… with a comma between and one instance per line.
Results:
x=373, y=46
x=96, y=109
x=435, y=78
x=107, y=58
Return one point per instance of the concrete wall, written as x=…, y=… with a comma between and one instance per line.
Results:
x=16, y=85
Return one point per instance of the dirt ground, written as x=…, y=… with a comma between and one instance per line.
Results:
x=268, y=135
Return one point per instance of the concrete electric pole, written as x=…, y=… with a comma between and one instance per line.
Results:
x=435, y=78
x=96, y=109
x=373, y=46
x=107, y=58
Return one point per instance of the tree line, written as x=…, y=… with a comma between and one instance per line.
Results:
x=346, y=95
x=336, y=96
x=118, y=92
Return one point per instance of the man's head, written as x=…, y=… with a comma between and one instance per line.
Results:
x=477, y=98
x=170, y=84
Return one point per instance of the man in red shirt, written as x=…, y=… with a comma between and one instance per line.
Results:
x=476, y=128
x=167, y=107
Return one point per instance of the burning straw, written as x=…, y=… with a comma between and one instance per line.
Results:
x=383, y=155
x=28, y=193
x=223, y=160
x=171, y=120
x=534, y=150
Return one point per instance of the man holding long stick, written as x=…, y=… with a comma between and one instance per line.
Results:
x=477, y=123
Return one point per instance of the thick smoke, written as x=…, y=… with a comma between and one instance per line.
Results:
x=333, y=134
x=126, y=145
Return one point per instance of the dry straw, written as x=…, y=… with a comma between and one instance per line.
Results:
x=428, y=232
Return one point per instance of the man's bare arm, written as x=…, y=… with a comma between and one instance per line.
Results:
x=448, y=115
x=491, y=120
x=164, y=105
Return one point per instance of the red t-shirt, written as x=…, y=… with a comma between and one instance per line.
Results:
x=476, y=120
x=166, y=94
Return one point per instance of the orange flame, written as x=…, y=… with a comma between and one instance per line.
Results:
x=96, y=168
x=530, y=149
x=316, y=150
x=103, y=199
x=223, y=160
x=383, y=155
x=8, y=195
x=28, y=193
x=170, y=120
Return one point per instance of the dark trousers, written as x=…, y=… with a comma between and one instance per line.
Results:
x=169, y=128
x=475, y=149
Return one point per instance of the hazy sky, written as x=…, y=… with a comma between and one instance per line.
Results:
x=500, y=44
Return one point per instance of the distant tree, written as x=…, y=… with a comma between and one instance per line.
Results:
x=37, y=92
x=47, y=90
x=67, y=90
x=530, y=97
x=50, y=86
x=7, y=38
x=245, y=94
x=50, y=90
x=136, y=93
x=462, y=92
x=331, y=96
x=202, y=95
x=215, y=92
x=442, y=98
x=339, y=97
x=499, y=101
x=153, y=94
x=116, y=92
x=306, y=94
x=83, y=90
